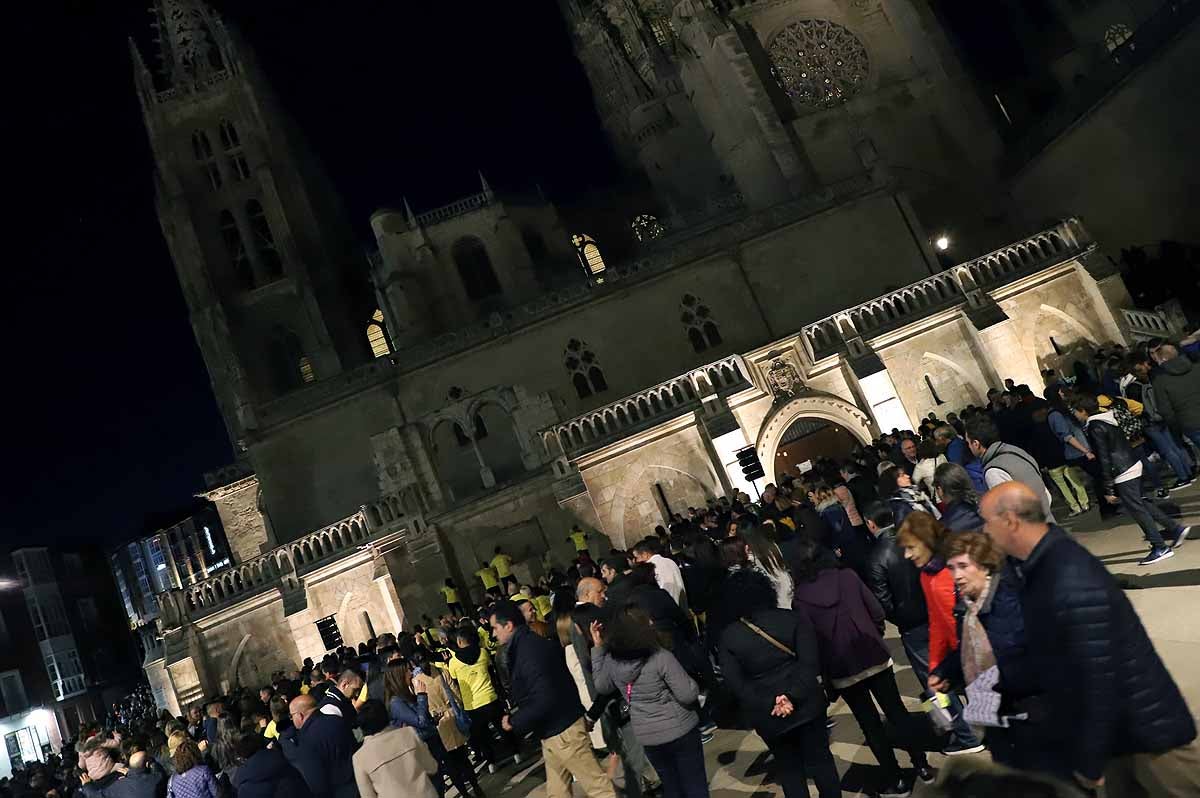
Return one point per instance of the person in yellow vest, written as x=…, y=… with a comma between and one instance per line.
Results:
x=491, y=582
x=468, y=667
x=450, y=591
x=503, y=565
x=542, y=604
x=579, y=539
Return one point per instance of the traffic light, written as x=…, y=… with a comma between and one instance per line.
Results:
x=751, y=467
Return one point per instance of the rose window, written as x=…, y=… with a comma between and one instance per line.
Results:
x=818, y=63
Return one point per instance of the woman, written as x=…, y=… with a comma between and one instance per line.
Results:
x=769, y=659
x=921, y=537
x=954, y=490
x=928, y=460
x=439, y=692
x=847, y=540
x=264, y=773
x=392, y=760
x=896, y=488
x=469, y=667
x=765, y=557
x=848, y=621
x=223, y=753
x=192, y=777
x=662, y=699
x=280, y=719
x=564, y=622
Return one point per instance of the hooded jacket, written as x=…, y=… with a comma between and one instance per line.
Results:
x=1177, y=393
x=268, y=775
x=660, y=694
x=848, y=621
x=469, y=667
x=1111, y=447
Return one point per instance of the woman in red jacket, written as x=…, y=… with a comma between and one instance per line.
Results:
x=921, y=536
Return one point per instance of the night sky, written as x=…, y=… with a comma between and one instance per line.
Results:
x=110, y=414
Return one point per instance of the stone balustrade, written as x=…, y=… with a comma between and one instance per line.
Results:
x=283, y=566
x=646, y=408
x=457, y=208
x=1064, y=241
x=1147, y=324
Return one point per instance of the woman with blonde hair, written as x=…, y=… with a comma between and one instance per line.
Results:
x=449, y=745
x=921, y=537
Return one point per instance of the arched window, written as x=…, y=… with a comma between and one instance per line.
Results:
x=475, y=269
x=647, y=228
x=202, y=149
x=584, y=367
x=1116, y=35
x=235, y=249
x=697, y=319
x=307, y=374
x=232, y=145
x=377, y=335
x=264, y=242
x=589, y=254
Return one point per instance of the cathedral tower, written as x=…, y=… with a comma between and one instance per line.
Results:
x=276, y=287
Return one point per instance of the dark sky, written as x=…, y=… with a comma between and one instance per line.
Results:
x=109, y=409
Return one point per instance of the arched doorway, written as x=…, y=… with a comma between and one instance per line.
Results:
x=820, y=424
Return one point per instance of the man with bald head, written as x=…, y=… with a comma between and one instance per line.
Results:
x=1100, y=703
x=321, y=747
x=590, y=591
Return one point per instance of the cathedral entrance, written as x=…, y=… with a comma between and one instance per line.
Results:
x=808, y=439
x=806, y=427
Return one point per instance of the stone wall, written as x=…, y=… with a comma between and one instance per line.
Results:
x=245, y=528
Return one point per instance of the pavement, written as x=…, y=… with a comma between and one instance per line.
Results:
x=1166, y=596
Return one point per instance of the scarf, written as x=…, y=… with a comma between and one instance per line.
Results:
x=918, y=500
x=974, y=646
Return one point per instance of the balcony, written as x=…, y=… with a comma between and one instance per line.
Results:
x=646, y=409
x=1063, y=242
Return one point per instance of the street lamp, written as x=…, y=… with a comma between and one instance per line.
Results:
x=942, y=242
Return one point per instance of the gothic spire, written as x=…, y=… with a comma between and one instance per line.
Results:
x=186, y=35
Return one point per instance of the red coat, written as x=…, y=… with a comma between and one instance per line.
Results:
x=940, y=599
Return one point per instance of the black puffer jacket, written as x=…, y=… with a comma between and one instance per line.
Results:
x=757, y=671
x=896, y=583
x=1177, y=393
x=1111, y=447
x=1107, y=692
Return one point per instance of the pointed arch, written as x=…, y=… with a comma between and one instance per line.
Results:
x=235, y=249
x=264, y=240
x=475, y=269
x=377, y=337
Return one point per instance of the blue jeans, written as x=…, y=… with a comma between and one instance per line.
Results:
x=680, y=765
x=1145, y=512
x=1165, y=443
x=916, y=646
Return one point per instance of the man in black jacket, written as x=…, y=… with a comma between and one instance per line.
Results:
x=547, y=705
x=1101, y=704
x=1121, y=475
x=896, y=583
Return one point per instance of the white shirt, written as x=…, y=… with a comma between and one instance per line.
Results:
x=667, y=574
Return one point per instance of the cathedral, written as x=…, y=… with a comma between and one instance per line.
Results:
x=489, y=375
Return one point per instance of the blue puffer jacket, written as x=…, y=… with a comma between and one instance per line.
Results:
x=962, y=517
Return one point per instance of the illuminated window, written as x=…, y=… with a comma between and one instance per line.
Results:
x=589, y=254
x=697, y=319
x=475, y=268
x=235, y=249
x=584, y=367
x=232, y=145
x=307, y=374
x=264, y=241
x=647, y=228
x=664, y=32
x=1116, y=35
x=377, y=335
x=202, y=149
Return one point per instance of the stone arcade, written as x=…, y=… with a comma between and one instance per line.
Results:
x=384, y=445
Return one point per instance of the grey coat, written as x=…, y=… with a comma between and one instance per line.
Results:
x=660, y=693
x=1177, y=391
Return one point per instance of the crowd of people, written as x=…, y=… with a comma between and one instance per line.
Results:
x=760, y=615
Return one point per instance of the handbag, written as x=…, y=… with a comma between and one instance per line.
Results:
x=758, y=631
x=461, y=719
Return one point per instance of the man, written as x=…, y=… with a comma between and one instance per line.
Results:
x=529, y=613
x=502, y=563
x=862, y=489
x=1003, y=462
x=666, y=572
x=1138, y=387
x=615, y=571
x=339, y=701
x=896, y=584
x=321, y=748
x=491, y=581
x=908, y=456
x=195, y=728
x=590, y=591
x=213, y=710
x=547, y=705
x=952, y=445
x=1101, y=704
x=1177, y=389
x=579, y=539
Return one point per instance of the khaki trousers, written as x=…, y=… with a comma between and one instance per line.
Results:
x=569, y=755
x=1172, y=774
